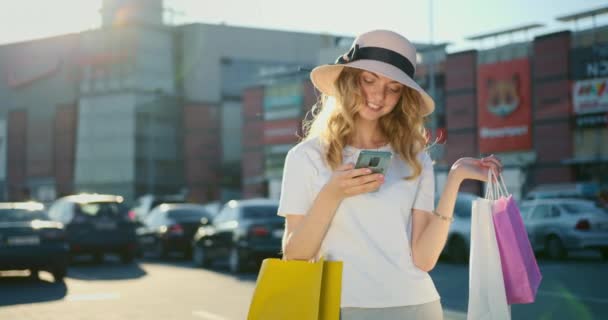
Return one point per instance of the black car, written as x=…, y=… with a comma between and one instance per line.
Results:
x=28, y=240
x=244, y=232
x=170, y=228
x=96, y=224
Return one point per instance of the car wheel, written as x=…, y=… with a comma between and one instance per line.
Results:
x=457, y=250
x=59, y=273
x=554, y=249
x=187, y=253
x=160, y=250
x=199, y=256
x=127, y=256
x=235, y=262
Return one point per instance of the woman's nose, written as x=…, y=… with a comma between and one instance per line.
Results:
x=378, y=94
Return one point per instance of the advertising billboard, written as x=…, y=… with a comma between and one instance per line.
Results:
x=590, y=96
x=504, y=106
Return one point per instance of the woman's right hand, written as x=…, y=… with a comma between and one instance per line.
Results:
x=347, y=181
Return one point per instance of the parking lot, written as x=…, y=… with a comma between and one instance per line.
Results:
x=176, y=289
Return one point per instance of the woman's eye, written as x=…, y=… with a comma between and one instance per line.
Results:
x=368, y=80
x=395, y=90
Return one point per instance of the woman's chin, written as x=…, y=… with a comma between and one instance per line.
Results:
x=370, y=114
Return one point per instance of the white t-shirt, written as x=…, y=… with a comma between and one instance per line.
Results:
x=370, y=232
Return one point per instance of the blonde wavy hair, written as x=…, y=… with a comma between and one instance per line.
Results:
x=333, y=121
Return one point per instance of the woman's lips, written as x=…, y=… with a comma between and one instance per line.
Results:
x=373, y=106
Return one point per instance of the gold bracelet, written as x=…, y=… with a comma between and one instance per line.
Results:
x=442, y=217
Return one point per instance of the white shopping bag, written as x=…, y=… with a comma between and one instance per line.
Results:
x=487, y=296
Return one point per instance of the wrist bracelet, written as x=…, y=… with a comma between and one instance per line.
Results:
x=442, y=217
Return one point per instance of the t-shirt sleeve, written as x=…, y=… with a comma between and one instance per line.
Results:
x=295, y=195
x=425, y=196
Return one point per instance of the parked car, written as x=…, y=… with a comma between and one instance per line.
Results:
x=244, y=231
x=29, y=240
x=170, y=228
x=96, y=224
x=578, y=190
x=459, y=236
x=144, y=205
x=557, y=226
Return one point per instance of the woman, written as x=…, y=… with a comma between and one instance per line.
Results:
x=391, y=238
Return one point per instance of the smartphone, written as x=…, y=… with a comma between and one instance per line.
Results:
x=377, y=161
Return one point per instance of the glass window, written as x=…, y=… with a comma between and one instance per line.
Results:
x=258, y=212
x=103, y=209
x=463, y=207
x=54, y=211
x=525, y=211
x=540, y=212
x=222, y=216
x=17, y=215
x=186, y=214
x=153, y=218
x=580, y=207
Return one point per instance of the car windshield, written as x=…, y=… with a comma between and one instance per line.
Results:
x=17, y=215
x=103, y=209
x=582, y=207
x=258, y=212
x=187, y=214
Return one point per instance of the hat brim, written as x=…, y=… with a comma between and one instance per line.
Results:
x=324, y=77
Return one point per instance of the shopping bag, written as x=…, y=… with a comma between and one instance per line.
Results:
x=298, y=290
x=520, y=271
x=487, y=297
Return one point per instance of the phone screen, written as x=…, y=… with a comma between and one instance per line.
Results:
x=377, y=161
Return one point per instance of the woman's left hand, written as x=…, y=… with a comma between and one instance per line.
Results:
x=477, y=169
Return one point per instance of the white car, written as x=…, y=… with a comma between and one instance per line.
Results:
x=557, y=226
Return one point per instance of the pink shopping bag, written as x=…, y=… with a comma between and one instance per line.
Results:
x=519, y=268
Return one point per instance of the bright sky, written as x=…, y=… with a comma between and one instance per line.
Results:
x=453, y=20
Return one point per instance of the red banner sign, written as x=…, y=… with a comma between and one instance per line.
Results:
x=504, y=106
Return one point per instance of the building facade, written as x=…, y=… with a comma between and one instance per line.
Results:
x=541, y=106
x=137, y=106
x=538, y=105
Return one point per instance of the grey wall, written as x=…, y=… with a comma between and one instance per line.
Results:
x=204, y=45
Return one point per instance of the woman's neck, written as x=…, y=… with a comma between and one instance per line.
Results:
x=367, y=136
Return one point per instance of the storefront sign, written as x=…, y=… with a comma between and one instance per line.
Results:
x=589, y=62
x=591, y=120
x=590, y=96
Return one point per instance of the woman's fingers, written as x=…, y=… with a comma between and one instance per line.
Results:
x=345, y=167
x=359, y=172
x=492, y=162
x=360, y=183
x=368, y=185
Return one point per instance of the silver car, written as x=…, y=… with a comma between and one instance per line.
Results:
x=556, y=226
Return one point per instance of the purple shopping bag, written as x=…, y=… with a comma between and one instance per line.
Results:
x=519, y=268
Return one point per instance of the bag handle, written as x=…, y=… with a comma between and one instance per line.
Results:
x=495, y=187
x=490, y=187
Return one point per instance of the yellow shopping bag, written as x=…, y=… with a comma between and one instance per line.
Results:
x=297, y=290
